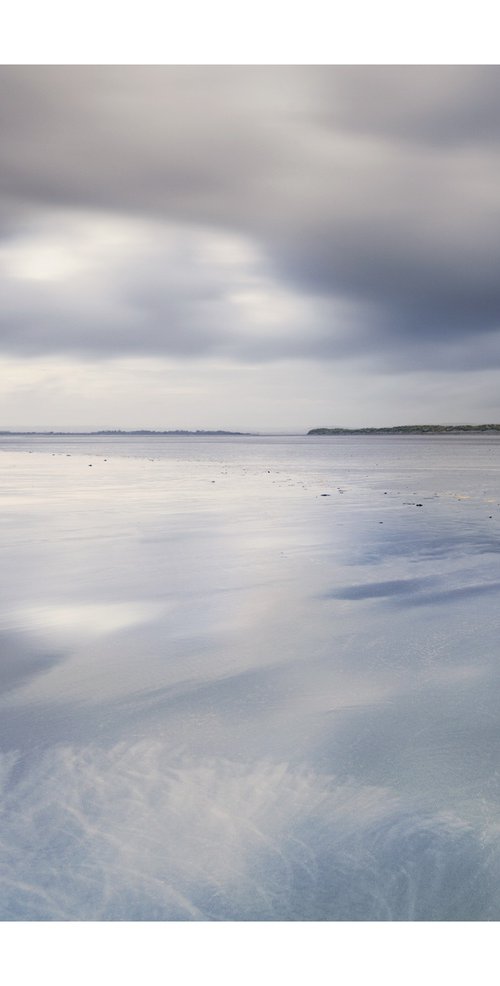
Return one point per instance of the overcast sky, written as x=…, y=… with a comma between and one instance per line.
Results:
x=249, y=247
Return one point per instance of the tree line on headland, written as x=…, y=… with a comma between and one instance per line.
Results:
x=406, y=430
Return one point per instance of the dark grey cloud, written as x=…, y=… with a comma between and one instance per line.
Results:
x=440, y=105
x=369, y=195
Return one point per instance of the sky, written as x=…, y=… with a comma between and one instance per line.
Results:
x=266, y=248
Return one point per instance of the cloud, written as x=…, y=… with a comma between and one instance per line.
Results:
x=252, y=212
x=435, y=104
x=108, y=284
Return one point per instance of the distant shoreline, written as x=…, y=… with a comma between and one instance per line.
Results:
x=120, y=433
x=408, y=430
x=395, y=430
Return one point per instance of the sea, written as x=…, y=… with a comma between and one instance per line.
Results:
x=250, y=678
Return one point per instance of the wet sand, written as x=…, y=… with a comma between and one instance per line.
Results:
x=250, y=679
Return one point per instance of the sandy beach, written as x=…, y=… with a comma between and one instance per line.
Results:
x=250, y=679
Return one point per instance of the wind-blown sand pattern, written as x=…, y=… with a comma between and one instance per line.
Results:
x=250, y=679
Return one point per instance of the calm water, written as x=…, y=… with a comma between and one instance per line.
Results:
x=250, y=679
